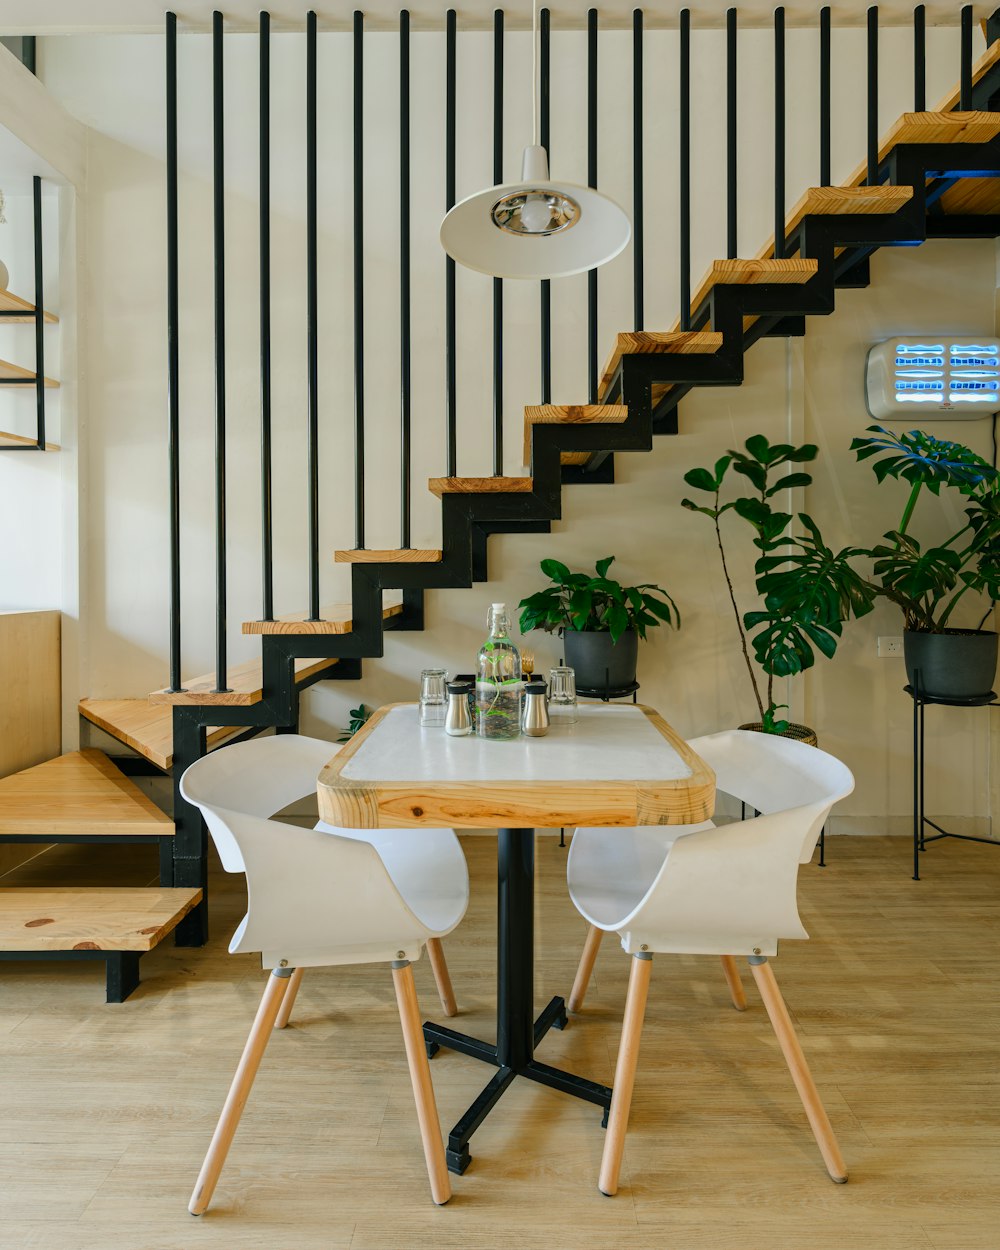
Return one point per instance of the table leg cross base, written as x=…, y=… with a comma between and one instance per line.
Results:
x=553, y=1016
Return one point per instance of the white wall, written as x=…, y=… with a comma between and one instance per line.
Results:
x=810, y=389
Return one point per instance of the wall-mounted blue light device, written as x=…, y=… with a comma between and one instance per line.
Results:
x=940, y=377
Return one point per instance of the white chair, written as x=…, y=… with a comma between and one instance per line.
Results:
x=708, y=890
x=319, y=897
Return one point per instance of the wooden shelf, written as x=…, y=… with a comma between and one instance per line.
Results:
x=81, y=793
x=18, y=440
x=246, y=685
x=335, y=619
x=25, y=311
x=145, y=727
x=14, y=373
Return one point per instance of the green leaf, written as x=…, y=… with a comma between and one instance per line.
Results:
x=617, y=619
x=693, y=507
x=602, y=566
x=701, y=479
x=789, y=482
x=758, y=447
x=556, y=571
x=750, y=469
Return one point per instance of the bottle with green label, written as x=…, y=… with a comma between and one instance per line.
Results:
x=499, y=688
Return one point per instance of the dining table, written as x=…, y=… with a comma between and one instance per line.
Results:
x=616, y=766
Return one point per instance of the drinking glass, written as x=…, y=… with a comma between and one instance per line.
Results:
x=562, y=695
x=433, y=697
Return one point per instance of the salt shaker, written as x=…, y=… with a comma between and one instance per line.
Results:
x=457, y=721
x=535, y=721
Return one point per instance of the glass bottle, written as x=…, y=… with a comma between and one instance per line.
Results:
x=498, y=680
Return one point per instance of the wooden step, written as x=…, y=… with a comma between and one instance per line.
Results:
x=841, y=201
x=570, y=414
x=392, y=555
x=245, y=681
x=14, y=373
x=671, y=342
x=974, y=197
x=941, y=127
x=81, y=794
x=19, y=310
x=19, y=440
x=335, y=619
x=479, y=486
x=147, y=728
x=114, y=924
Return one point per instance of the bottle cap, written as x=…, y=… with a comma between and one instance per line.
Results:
x=459, y=687
x=499, y=607
x=535, y=687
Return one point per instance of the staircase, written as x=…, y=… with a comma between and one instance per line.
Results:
x=937, y=178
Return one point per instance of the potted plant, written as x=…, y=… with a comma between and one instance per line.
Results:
x=807, y=590
x=600, y=621
x=928, y=583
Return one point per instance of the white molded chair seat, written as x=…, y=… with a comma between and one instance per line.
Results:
x=707, y=889
x=324, y=896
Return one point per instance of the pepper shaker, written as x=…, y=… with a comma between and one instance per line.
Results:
x=535, y=722
x=458, y=722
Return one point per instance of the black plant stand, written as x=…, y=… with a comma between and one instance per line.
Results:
x=920, y=820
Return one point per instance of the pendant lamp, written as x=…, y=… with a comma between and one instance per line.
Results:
x=535, y=228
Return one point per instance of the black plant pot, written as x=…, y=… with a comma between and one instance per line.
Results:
x=955, y=664
x=599, y=663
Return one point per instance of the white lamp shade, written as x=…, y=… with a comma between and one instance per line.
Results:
x=471, y=237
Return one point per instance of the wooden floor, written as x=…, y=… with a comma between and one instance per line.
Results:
x=105, y=1111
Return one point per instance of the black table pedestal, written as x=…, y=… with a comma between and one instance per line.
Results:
x=518, y=1033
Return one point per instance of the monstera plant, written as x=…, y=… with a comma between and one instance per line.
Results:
x=929, y=582
x=806, y=590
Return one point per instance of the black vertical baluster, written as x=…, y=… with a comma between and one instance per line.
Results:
x=824, y=96
x=546, y=296
x=312, y=318
x=732, y=110
x=873, y=96
x=219, y=201
x=266, y=516
x=592, y=182
x=497, y=282
x=404, y=278
x=965, y=79
x=36, y=192
x=451, y=383
x=173, y=361
x=685, y=169
x=359, y=283
x=919, y=59
x=637, y=188
x=779, y=133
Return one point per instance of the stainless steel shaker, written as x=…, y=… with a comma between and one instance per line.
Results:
x=457, y=721
x=535, y=717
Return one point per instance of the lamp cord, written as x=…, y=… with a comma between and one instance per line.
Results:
x=534, y=73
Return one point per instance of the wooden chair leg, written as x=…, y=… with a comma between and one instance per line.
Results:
x=238, y=1094
x=628, y=1055
x=733, y=981
x=420, y=1076
x=590, y=948
x=288, y=1002
x=796, y=1060
x=442, y=979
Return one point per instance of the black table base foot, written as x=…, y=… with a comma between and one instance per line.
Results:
x=553, y=1016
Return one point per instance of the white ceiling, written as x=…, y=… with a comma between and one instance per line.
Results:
x=53, y=17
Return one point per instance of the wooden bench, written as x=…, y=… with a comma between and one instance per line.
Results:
x=115, y=924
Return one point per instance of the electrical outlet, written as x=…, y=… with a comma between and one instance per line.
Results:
x=889, y=644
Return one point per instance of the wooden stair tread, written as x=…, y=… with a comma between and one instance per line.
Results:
x=63, y=918
x=391, y=555
x=147, y=728
x=246, y=684
x=841, y=201
x=15, y=373
x=941, y=127
x=78, y=793
x=569, y=414
x=972, y=196
x=22, y=308
x=18, y=440
x=480, y=486
x=335, y=619
x=670, y=342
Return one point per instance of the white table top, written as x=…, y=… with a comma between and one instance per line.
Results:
x=618, y=765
